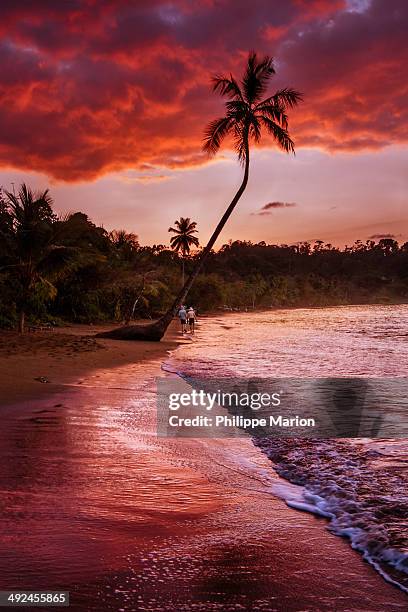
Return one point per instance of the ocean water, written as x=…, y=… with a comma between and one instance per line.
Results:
x=359, y=485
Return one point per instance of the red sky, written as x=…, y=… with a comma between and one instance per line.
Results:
x=107, y=101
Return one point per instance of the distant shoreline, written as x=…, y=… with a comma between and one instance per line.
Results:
x=220, y=312
x=37, y=363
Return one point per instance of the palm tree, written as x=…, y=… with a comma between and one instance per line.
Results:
x=34, y=255
x=125, y=243
x=183, y=239
x=247, y=114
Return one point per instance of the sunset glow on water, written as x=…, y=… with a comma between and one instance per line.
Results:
x=92, y=499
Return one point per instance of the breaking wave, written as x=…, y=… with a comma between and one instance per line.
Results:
x=362, y=491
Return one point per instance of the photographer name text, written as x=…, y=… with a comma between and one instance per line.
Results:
x=241, y=422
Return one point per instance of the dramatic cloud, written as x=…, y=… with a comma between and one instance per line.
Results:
x=89, y=87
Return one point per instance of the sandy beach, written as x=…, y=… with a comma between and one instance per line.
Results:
x=94, y=503
x=37, y=363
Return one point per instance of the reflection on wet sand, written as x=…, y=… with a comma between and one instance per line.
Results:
x=93, y=502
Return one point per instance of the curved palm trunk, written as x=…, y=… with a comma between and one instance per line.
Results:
x=155, y=331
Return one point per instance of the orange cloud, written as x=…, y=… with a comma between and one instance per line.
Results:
x=92, y=87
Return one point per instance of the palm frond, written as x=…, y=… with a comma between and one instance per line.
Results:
x=256, y=77
x=286, y=97
x=194, y=240
x=236, y=109
x=240, y=143
x=184, y=225
x=175, y=240
x=255, y=129
x=227, y=86
x=279, y=133
x=12, y=202
x=191, y=227
x=25, y=194
x=275, y=112
x=44, y=198
x=215, y=133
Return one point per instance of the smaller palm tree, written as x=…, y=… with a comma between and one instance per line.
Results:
x=184, y=238
x=125, y=243
x=35, y=254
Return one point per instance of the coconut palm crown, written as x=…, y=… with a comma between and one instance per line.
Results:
x=248, y=112
x=183, y=239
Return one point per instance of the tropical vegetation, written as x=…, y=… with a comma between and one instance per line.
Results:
x=68, y=270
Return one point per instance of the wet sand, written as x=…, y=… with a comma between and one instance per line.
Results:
x=38, y=363
x=95, y=503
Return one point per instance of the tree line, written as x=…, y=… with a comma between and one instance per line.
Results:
x=67, y=269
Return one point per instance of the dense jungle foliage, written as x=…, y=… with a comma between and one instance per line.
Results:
x=68, y=269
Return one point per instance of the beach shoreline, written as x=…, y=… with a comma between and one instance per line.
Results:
x=65, y=353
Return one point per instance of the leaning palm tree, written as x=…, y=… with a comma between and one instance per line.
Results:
x=247, y=114
x=183, y=239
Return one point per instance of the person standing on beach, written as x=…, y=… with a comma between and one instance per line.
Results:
x=182, y=314
x=192, y=318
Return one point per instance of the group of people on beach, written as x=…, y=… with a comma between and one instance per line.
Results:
x=187, y=318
